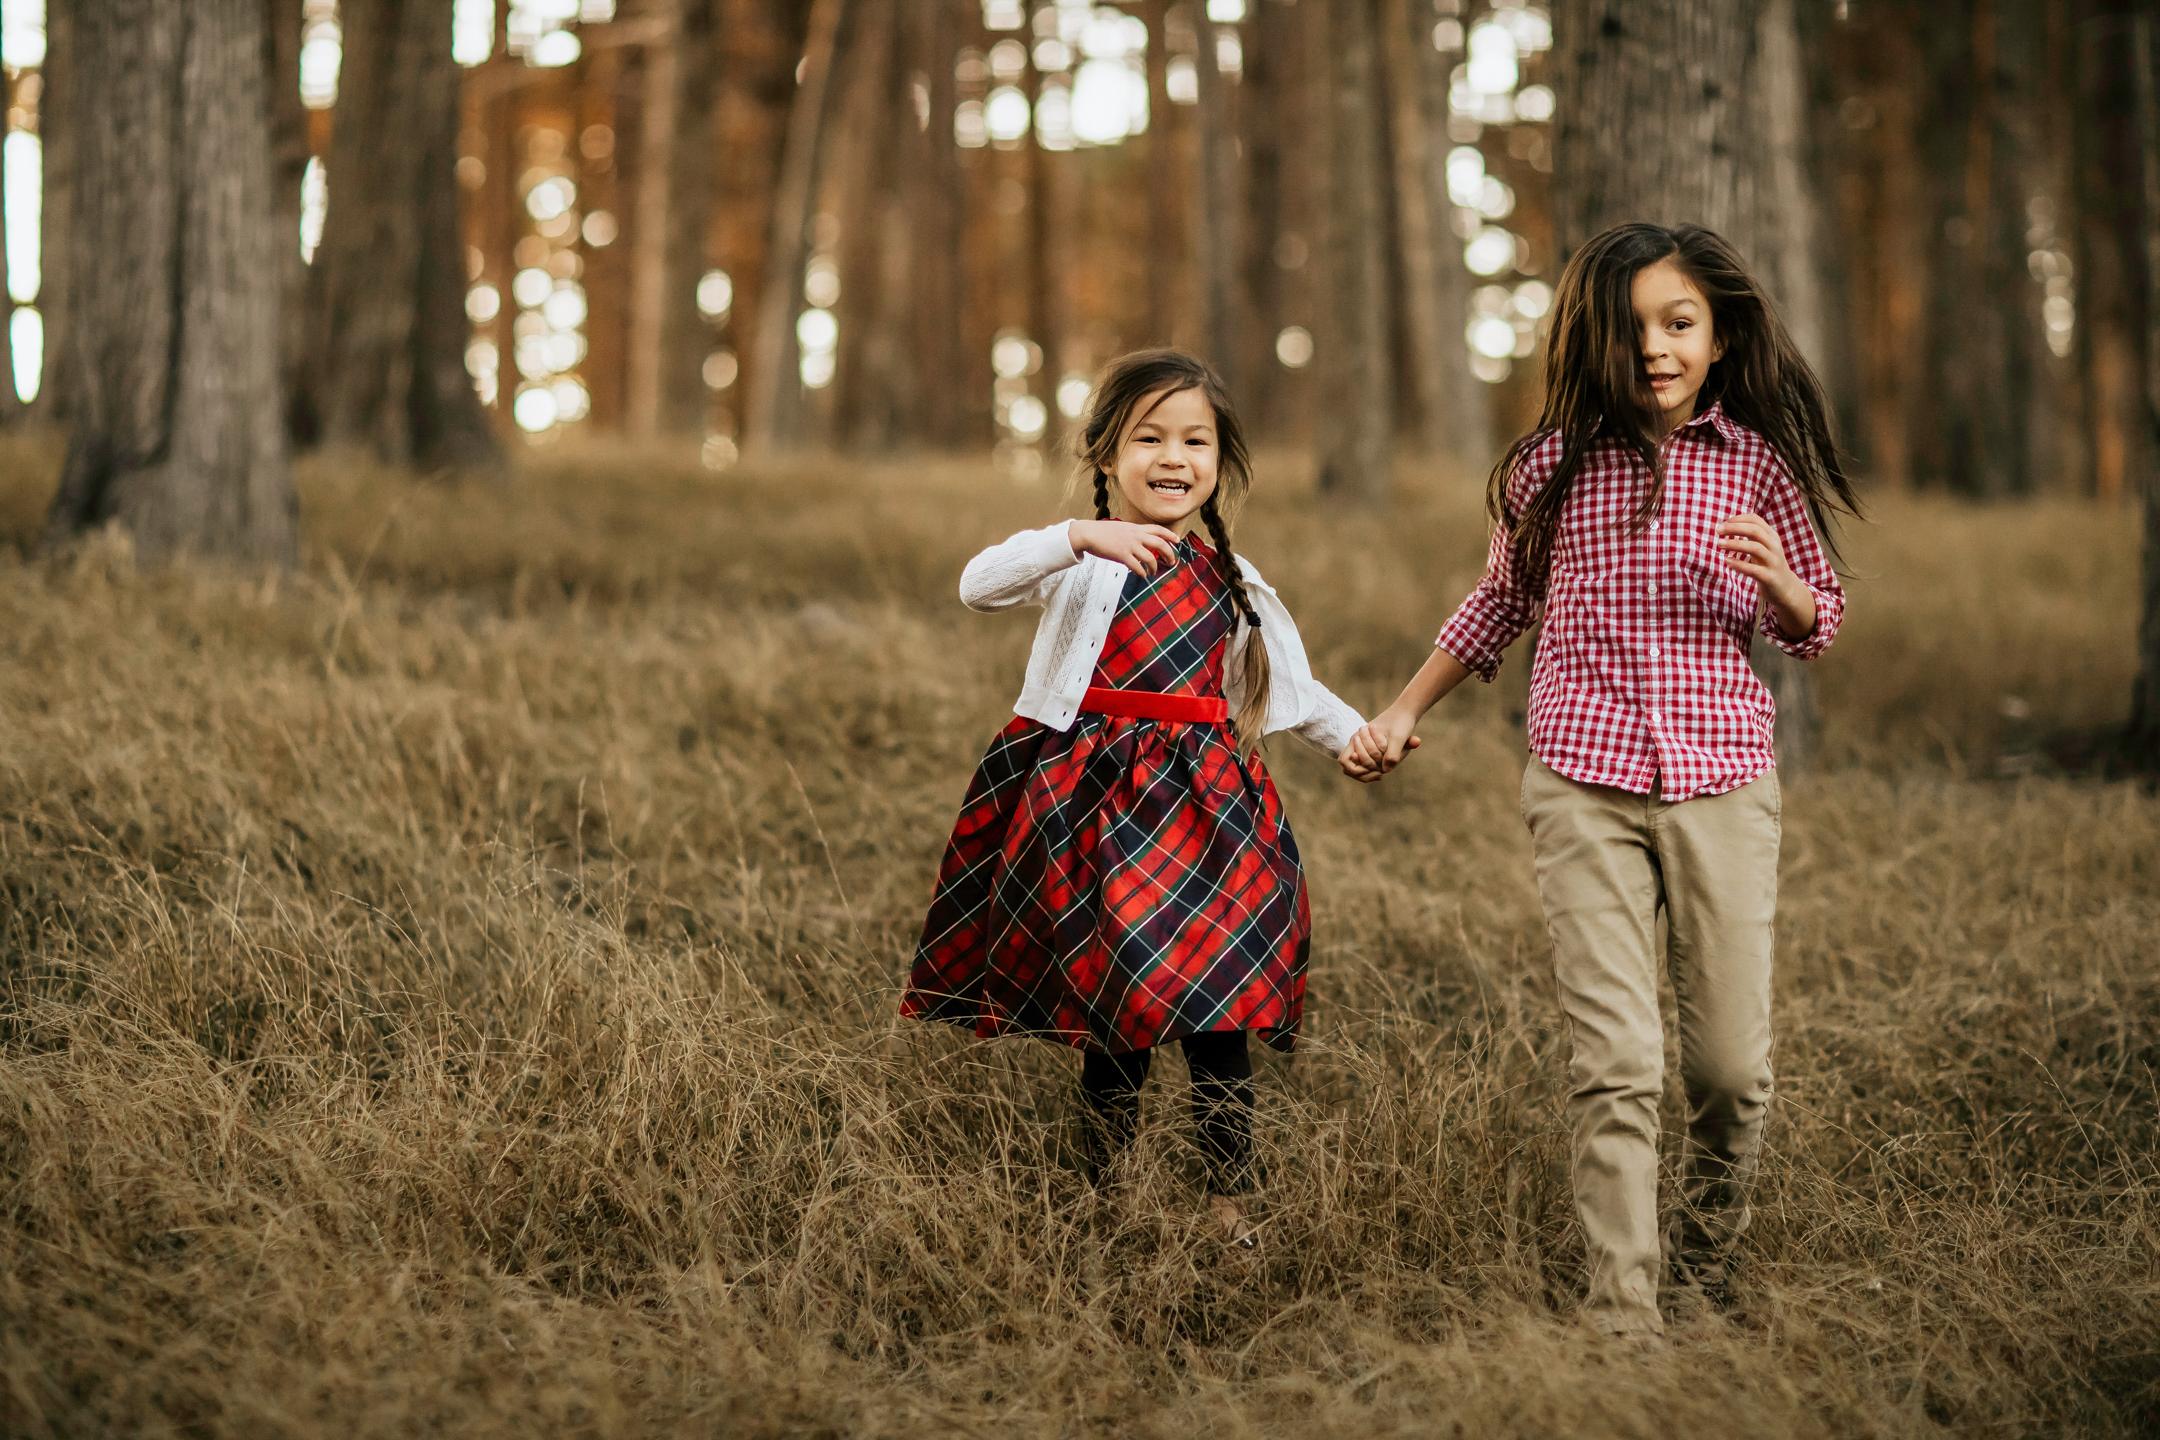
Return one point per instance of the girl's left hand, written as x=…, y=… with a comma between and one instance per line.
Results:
x=1749, y=545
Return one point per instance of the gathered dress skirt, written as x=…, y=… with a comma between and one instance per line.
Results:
x=1125, y=882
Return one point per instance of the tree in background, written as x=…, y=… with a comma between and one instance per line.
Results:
x=177, y=434
x=2141, y=738
x=1355, y=430
x=668, y=337
x=1689, y=111
x=388, y=310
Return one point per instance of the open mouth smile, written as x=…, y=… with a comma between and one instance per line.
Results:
x=1174, y=489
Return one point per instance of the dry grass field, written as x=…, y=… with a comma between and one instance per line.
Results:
x=450, y=990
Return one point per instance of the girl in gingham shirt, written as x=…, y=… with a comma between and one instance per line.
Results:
x=1665, y=514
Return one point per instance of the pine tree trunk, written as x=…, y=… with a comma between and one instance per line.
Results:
x=1435, y=345
x=1355, y=380
x=669, y=338
x=1463, y=426
x=1166, y=182
x=389, y=287
x=288, y=120
x=2141, y=740
x=931, y=189
x=1218, y=205
x=1270, y=131
x=177, y=428
x=773, y=419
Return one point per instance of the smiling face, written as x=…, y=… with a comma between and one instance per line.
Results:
x=1672, y=327
x=1166, y=463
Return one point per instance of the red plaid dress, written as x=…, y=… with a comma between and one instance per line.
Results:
x=1126, y=882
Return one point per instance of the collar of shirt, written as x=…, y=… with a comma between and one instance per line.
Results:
x=1713, y=421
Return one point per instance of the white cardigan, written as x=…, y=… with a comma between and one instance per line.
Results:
x=1079, y=595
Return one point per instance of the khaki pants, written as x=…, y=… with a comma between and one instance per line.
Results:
x=1607, y=860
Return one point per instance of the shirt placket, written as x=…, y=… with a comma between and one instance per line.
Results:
x=1657, y=695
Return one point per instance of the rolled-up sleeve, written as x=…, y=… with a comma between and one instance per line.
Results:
x=1499, y=608
x=1787, y=513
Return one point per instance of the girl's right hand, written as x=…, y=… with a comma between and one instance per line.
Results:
x=1378, y=747
x=1139, y=548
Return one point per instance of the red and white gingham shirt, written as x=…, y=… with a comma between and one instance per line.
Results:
x=1642, y=675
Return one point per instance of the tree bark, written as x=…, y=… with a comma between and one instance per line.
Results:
x=1218, y=205
x=390, y=274
x=1694, y=111
x=931, y=189
x=1355, y=380
x=775, y=390
x=177, y=434
x=2141, y=738
x=1453, y=413
x=1165, y=185
x=685, y=335
x=668, y=337
x=288, y=121
x=853, y=164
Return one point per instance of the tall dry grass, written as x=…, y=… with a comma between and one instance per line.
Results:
x=450, y=990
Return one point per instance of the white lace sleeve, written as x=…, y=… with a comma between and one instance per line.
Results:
x=1018, y=571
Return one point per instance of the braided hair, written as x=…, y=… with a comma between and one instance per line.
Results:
x=1130, y=388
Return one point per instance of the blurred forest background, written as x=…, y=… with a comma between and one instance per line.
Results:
x=442, y=230
x=878, y=224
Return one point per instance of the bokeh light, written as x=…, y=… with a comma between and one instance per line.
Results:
x=1073, y=394
x=1490, y=251
x=531, y=288
x=482, y=303
x=321, y=51
x=550, y=198
x=1294, y=347
x=715, y=294
x=314, y=205
x=1027, y=416
x=22, y=34
x=720, y=369
x=26, y=339
x=472, y=31
x=534, y=409
x=817, y=330
x=25, y=202
x=1005, y=115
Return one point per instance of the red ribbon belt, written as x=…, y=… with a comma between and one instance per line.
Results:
x=1148, y=705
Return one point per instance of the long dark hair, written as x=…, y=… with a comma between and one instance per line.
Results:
x=1597, y=388
x=1150, y=377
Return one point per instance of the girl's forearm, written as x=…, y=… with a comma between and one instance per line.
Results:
x=1794, y=613
x=1440, y=673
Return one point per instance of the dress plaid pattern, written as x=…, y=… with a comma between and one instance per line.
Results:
x=1642, y=668
x=1127, y=882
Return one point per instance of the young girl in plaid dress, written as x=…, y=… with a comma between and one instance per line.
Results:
x=1121, y=875
x=1663, y=516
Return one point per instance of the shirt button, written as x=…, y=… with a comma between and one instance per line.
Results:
x=1653, y=717
x=1653, y=652
x=1653, y=589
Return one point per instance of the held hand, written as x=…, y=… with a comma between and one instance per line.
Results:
x=1749, y=545
x=1139, y=548
x=1378, y=747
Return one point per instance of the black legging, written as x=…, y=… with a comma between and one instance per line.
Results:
x=1222, y=1100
